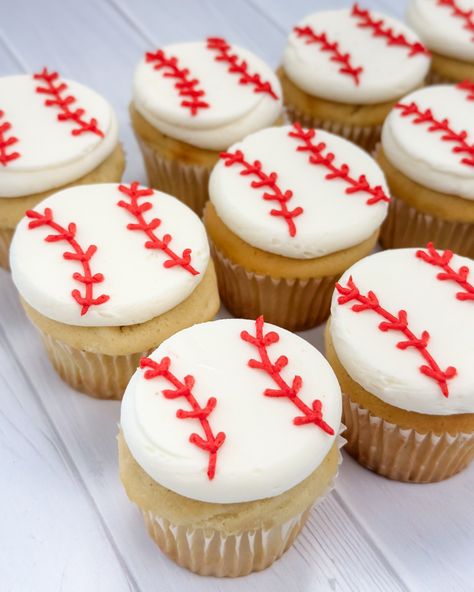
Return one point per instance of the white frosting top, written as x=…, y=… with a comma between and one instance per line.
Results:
x=331, y=219
x=422, y=155
x=440, y=28
x=50, y=155
x=234, y=110
x=402, y=281
x=388, y=70
x=264, y=453
x=137, y=283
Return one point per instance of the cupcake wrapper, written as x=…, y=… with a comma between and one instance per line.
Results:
x=290, y=303
x=365, y=136
x=403, y=454
x=435, y=78
x=99, y=375
x=6, y=235
x=212, y=553
x=405, y=226
x=188, y=182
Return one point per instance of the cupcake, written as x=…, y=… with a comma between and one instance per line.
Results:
x=427, y=154
x=447, y=28
x=400, y=342
x=192, y=100
x=107, y=272
x=54, y=133
x=343, y=70
x=229, y=434
x=290, y=210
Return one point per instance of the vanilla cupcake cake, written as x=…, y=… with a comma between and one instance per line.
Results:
x=53, y=133
x=427, y=154
x=342, y=70
x=447, y=28
x=107, y=272
x=400, y=341
x=290, y=209
x=229, y=434
x=192, y=100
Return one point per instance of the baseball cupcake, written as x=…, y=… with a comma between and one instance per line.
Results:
x=400, y=341
x=447, y=28
x=427, y=154
x=54, y=133
x=192, y=100
x=106, y=273
x=290, y=209
x=229, y=434
x=342, y=70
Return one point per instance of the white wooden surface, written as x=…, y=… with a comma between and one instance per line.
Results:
x=65, y=522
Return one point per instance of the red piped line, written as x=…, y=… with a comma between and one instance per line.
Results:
x=318, y=157
x=261, y=341
x=468, y=86
x=78, y=254
x=331, y=47
x=5, y=142
x=466, y=15
x=265, y=181
x=184, y=388
x=137, y=210
x=442, y=260
x=443, y=126
x=54, y=88
x=239, y=66
x=378, y=28
x=186, y=86
x=398, y=323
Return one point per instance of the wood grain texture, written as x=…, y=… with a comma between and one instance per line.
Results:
x=67, y=521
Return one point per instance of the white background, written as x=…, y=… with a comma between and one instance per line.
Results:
x=65, y=523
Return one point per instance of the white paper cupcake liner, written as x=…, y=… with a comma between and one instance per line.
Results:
x=213, y=553
x=403, y=454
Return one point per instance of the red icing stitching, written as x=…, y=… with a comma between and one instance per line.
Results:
x=68, y=234
x=436, y=125
x=63, y=103
x=5, y=142
x=137, y=210
x=210, y=443
x=442, y=260
x=237, y=66
x=261, y=341
x=317, y=157
x=398, y=323
x=392, y=38
x=333, y=48
x=466, y=15
x=468, y=86
x=185, y=84
x=264, y=180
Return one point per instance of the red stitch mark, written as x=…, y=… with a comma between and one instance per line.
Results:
x=83, y=257
x=238, y=66
x=63, y=103
x=443, y=126
x=261, y=341
x=466, y=15
x=468, y=86
x=210, y=443
x=137, y=210
x=378, y=30
x=185, y=85
x=398, y=323
x=5, y=142
x=442, y=260
x=344, y=59
x=317, y=157
x=264, y=180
